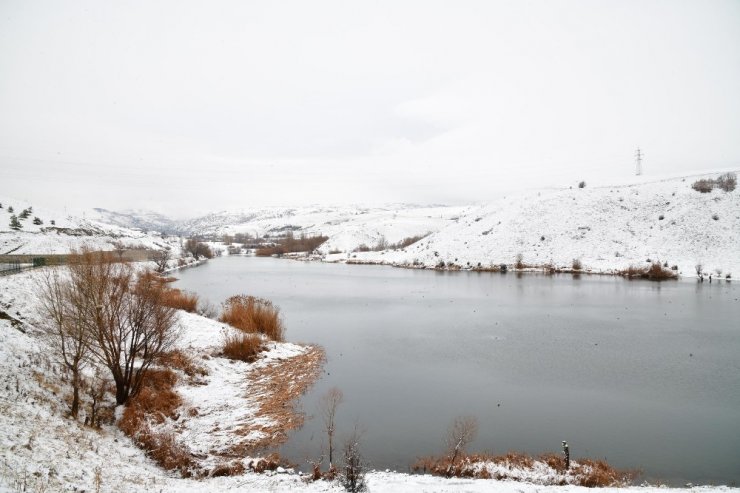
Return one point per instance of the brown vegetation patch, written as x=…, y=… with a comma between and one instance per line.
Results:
x=291, y=244
x=155, y=402
x=178, y=360
x=276, y=387
x=251, y=314
x=583, y=472
x=243, y=347
x=175, y=298
x=656, y=272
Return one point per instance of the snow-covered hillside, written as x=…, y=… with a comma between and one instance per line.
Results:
x=47, y=231
x=606, y=228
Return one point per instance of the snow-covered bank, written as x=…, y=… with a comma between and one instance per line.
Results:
x=606, y=228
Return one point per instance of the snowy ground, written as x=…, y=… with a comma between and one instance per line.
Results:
x=607, y=228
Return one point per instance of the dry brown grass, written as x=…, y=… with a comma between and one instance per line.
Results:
x=178, y=360
x=251, y=314
x=180, y=300
x=269, y=463
x=599, y=474
x=233, y=468
x=583, y=472
x=276, y=387
x=242, y=346
x=656, y=272
x=155, y=402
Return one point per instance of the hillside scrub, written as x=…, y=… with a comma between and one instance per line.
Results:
x=291, y=244
x=726, y=182
x=655, y=272
x=254, y=315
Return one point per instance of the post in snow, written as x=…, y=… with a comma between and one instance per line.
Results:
x=566, y=453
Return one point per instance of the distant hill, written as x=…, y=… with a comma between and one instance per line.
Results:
x=49, y=231
x=606, y=227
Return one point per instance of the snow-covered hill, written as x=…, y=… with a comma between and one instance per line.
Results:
x=46, y=231
x=606, y=228
x=142, y=220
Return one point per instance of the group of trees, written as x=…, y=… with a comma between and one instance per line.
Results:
x=15, y=221
x=198, y=249
x=98, y=313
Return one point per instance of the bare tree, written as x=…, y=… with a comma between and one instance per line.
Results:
x=119, y=248
x=328, y=405
x=66, y=333
x=353, y=475
x=198, y=249
x=161, y=258
x=127, y=325
x=461, y=432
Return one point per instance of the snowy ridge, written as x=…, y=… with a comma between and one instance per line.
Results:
x=606, y=228
x=66, y=233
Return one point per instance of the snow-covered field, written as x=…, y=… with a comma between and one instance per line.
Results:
x=607, y=228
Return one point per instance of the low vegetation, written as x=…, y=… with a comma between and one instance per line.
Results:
x=198, y=249
x=290, y=244
x=242, y=346
x=654, y=272
x=180, y=300
x=254, y=315
x=515, y=466
x=726, y=182
x=382, y=244
x=156, y=402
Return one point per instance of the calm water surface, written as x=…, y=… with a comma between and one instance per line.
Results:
x=646, y=375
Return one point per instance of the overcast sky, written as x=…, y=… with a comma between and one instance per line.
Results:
x=185, y=106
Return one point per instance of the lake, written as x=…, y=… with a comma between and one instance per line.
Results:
x=645, y=375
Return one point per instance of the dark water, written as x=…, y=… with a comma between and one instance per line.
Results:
x=646, y=375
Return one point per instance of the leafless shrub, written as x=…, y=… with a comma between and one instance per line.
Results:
x=461, y=432
x=577, y=264
x=353, y=473
x=703, y=186
x=251, y=314
x=161, y=258
x=407, y=241
x=519, y=261
x=727, y=182
x=96, y=389
x=328, y=405
x=63, y=322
